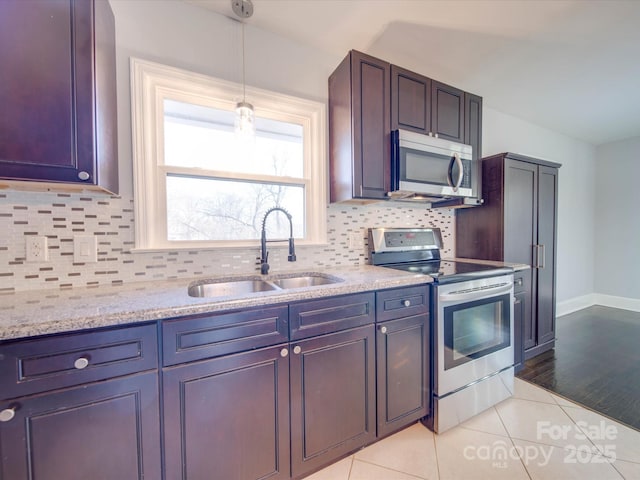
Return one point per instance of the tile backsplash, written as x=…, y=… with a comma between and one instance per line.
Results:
x=60, y=216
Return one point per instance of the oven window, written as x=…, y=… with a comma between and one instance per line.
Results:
x=475, y=329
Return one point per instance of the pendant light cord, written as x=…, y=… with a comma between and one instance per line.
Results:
x=244, y=84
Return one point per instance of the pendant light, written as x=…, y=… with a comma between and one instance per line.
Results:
x=245, y=116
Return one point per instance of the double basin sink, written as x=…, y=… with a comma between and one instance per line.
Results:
x=253, y=284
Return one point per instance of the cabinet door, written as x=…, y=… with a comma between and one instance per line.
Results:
x=371, y=95
x=107, y=430
x=402, y=354
x=473, y=123
x=47, y=91
x=410, y=101
x=228, y=417
x=333, y=401
x=547, y=212
x=447, y=112
x=521, y=229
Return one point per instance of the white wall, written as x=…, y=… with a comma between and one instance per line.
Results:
x=576, y=184
x=617, y=218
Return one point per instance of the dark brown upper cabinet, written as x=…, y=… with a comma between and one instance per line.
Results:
x=447, y=112
x=359, y=128
x=368, y=98
x=58, y=93
x=473, y=123
x=410, y=101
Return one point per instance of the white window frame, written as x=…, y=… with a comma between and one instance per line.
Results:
x=151, y=84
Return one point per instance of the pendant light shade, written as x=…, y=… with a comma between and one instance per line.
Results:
x=245, y=116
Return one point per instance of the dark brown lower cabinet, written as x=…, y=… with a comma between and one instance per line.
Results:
x=522, y=317
x=333, y=404
x=402, y=353
x=100, y=431
x=228, y=417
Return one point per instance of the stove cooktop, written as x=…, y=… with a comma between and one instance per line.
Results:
x=448, y=271
x=417, y=250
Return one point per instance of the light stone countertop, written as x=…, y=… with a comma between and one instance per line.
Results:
x=32, y=313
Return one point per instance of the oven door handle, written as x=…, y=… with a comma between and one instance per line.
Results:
x=475, y=294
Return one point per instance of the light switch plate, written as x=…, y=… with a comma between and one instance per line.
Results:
x=85, y=249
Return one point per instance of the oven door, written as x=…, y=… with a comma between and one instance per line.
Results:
x=474, y=331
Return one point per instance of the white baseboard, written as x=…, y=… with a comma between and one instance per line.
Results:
x=575, y=304
x=625, y=303
x=578, y=303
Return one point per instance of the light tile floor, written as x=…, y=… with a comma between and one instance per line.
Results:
x=533, y=435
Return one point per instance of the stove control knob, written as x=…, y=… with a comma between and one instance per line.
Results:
x=383, y=329
x=406, y=303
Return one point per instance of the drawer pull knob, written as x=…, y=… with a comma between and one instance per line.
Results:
x=383, y=329
x=284, y=352
x=297, y=349
x=7, y=414
x=406, y=303
x=81, y=363
x=83, y=175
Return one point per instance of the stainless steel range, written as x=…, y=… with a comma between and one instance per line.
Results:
x=471, y=319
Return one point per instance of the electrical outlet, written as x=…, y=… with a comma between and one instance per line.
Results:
x=37, y=249
x=85, y=249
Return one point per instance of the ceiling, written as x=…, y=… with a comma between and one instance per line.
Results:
x=571, y=66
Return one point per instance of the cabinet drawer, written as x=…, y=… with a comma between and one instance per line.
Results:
x=42, y=364
x=195, y=338
x=318, y=317
x=401, y=302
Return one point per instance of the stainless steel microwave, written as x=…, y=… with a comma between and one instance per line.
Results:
x=428, y=168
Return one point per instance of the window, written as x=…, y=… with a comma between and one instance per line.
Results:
x=198, y=185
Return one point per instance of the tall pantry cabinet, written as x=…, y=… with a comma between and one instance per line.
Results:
x=518, y=224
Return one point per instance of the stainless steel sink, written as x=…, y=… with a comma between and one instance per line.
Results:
x=231, y=288
x=305, y=281
x=246, y=286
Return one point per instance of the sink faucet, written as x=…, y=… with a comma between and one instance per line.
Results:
x=264, y=255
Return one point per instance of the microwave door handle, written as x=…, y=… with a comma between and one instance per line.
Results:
x=458, y=160
x=450, y=173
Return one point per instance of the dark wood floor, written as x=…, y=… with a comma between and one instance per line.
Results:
x=596, y=362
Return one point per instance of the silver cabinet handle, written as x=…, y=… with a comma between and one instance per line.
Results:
x=297, y=349
x=284, y=352
x=83, y=175
x=81, y=363
x=7, y=414
x=541, y=256
x=383, y=329
x=406, y=303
